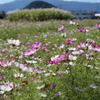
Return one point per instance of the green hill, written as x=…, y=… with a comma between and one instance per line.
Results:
x=39, y=4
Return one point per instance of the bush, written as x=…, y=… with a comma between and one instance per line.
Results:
x=39, y=15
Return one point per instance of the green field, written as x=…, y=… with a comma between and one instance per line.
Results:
x=50, y=60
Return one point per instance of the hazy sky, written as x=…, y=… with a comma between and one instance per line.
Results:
x=6, y=1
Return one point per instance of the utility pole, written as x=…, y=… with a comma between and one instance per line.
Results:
x=97, y=8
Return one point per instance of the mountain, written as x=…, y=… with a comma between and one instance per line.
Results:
x=39, y=4
x=66, y=5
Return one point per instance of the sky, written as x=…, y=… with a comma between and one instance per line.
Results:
x=7, y=1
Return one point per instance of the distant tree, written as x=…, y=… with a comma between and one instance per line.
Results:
x=2, y=14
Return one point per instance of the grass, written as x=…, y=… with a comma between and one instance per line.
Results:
x=66, y=79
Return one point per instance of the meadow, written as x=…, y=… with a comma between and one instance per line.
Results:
x=50, y=60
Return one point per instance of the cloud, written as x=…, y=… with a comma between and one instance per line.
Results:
x=1, y=3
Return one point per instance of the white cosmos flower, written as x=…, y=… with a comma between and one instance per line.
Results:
x=89, y=40
x=71, y=63
x=29, y=61
x=63, y=34
x=71, y=48
x=71, y=57
x=62, y=46
x=78, y=89
x=1, y=92
x=13, y=42
x=42, y=95
x=72, y=23
x=56, y=56
x=5, y=87
x=18, y=75
x=31, y=69
x=75, y=52
x=40, y=87
x=93, y=86
x=97, y=15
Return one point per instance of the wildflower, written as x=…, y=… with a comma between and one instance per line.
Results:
x=78, y=89
x=71, y=57
x=35, y=45
x=52, y=86
x=5, y=88
x=63, y=34
x=89, y=40
x=69, y=41
x=89, y=54
x=97, y=15
x=47, y=74
x=75, y=52
x=2, y=78
x=56, y=59
x=82, y=29
x=40, y=87
x=58, y=93
x=72, y=23
x=61, y=47
x=3, y=96
x=93, y=86
x=1, y=92
x=18, y=75
x=98, y=25
x=71, y=63
x=30, y=52
x=77, y=47
x=71, y=48
x=29, y=61
x=45, y=49
x=13, y=42
x=6, y=63
x=42, y=95
x=1, y=62
x=31, y=69
x=61, y=27
x=23, y=82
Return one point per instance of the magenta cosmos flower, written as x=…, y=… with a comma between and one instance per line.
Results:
x=69, y=41
x=61, y=27
x=35, y=45
x=97, y=25
x=82, y=29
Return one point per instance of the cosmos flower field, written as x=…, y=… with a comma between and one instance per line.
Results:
x=50, y=60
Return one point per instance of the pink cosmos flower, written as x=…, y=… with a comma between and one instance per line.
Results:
x=6, y=63
x=77, y=47
x=45, y=49
x=2, y=78
x=3, y=96
x=52, y=86
x=30, y=52
x=56, y=59
x=82, y=29
x=61, y=27
x=69, y=41
x=1, y=62
x=23, y=82
x=89, y=54
x=58, y=93
x=35, y=45
x=97, y=25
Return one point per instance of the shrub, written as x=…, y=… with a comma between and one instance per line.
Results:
x=39, y=15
